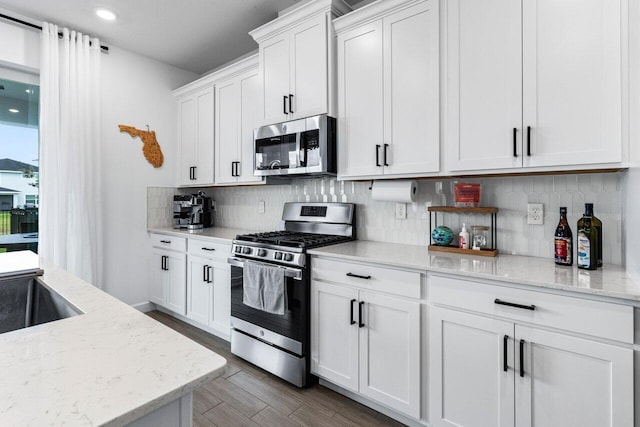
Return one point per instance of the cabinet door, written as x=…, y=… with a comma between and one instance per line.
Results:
x=274, y=71
x=227, y=130
x=157, y=292
x=360, y=101
x=572, y=381
x=176, y=272
x=309, y=68
x=483, y=84
x=205, y=137
x=198, y=289
x=250, y=101
x=468, y=385
x=572, y=81
x=334, y=334
x=220, y=314
x=411, y=90
x=187, y=136
x=390, y=352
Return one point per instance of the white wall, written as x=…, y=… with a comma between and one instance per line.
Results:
x=136, y=91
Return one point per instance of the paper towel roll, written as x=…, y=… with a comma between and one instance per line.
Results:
x=403, y=191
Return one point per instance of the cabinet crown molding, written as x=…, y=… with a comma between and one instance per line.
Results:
x=227, y=71
x=306, y=11
x=372, y=12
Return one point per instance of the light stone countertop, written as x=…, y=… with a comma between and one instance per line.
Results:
x=221, y=234
x=108, y=366
x=609, y=281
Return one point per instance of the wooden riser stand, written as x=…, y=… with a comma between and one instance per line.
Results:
x=433, y=213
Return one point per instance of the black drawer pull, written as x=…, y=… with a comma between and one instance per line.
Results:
x=290, y=101
x=208, y=249
x=522, y=358
x=284, y=104
x=204, y=273
x=377, y=154
x=165, y=241
x=505, y=343
x=353, y=322
x=515, y=139
x=360, y=322
x=528, y=140
x=358, y=276
x=513, y=304
x=384, y=155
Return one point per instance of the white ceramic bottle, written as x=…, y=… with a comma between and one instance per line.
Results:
x=464, y=237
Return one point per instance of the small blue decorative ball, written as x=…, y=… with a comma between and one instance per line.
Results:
x=442, y=236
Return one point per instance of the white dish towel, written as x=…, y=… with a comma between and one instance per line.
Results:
x=263, y=287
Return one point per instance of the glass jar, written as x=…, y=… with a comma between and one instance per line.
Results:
x=480, y=239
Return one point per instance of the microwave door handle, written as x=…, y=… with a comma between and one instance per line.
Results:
x=305, y=147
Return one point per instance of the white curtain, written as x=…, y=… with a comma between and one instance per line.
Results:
x=70, y=220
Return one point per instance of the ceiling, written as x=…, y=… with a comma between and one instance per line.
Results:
x=195, y=35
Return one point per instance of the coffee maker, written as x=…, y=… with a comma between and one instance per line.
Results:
x=192, y=211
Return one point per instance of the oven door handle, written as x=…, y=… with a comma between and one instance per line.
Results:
x=294, y=273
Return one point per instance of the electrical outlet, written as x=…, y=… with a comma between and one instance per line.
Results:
x=401, y=211
x=261, y=206
x=535, y=213
x=213, y=206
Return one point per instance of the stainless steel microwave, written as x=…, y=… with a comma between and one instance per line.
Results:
x=299, y=147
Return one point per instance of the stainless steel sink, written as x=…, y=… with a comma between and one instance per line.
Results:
x=25, y=302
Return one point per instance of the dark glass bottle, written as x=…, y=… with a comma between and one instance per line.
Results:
x=597, y=225
x=587, y=242
x=563, y=241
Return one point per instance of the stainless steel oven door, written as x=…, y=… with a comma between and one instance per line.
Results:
x=286, y=331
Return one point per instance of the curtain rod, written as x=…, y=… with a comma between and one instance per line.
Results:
x=105, y=49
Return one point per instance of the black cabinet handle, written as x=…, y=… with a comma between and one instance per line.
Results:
x=284, y=104
x=505, y=343
x=358, y=276
x=384, y=155
x=237, y=168
x=360, y=322
x=233, y=168
x=165, y=241
x=163, y=263
x=377, y=154
x=208, y=249
x=353, y=322
x=515, y=144
x=290, y=101
x=192, y=173
x=513, y=304
x=209, y=274
x=204, y=273
x=528, y=140
x=522, y=358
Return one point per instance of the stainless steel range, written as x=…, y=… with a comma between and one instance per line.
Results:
x=270, y=287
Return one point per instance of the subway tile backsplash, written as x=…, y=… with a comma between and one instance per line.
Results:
x=237, y=207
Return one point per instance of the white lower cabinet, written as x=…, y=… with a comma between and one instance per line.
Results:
x=209, y=286
x=500, y=372
x=168, y=273
x=367, y=342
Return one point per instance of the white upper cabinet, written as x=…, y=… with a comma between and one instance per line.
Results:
x=296, y=63
x=237, y=114
x=195, y=137
x=533, y=83
x=388, y=90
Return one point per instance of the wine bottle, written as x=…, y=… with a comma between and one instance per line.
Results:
x=587, y=244
x=563, y=241
x=597, y=224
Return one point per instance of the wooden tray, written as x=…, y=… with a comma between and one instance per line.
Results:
x=457, y=250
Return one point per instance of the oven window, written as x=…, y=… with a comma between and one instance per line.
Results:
x=279, y=152
x=294, y=321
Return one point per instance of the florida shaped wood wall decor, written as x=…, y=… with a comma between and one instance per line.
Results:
x=150, y=147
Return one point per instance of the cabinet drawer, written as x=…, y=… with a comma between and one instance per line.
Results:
x=209, y=249
x=585, y=316
x=366, y=276
x=169, y=242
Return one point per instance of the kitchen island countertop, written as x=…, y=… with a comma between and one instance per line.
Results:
x=609, y=281
x=108, y=366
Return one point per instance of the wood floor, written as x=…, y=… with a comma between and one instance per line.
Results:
x=248, y=396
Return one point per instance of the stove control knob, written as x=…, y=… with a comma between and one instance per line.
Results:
x=278, y=255
x=288, y=257
x=238, y=249
x=262, y=252
x=246, y=250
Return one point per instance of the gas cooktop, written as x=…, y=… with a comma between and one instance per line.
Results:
x=293, y=239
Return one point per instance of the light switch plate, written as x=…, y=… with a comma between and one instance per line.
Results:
x=261, y=206
x=535, y=213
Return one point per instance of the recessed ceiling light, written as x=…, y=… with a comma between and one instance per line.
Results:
x=106, y=14
x=13, y=110
x=28, y=90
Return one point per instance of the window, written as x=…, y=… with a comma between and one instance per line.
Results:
x=19, y=179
